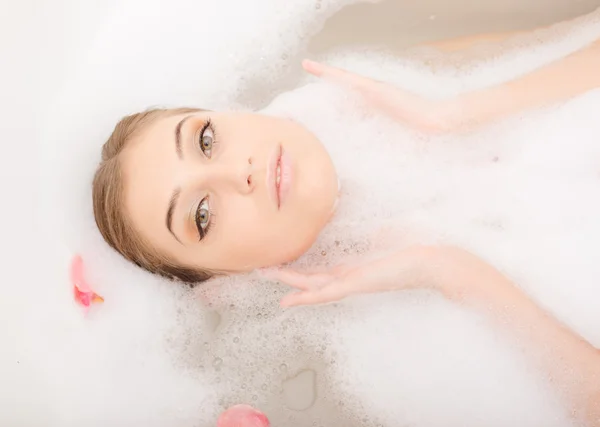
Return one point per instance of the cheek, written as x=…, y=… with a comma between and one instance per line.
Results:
x=246, y=235
x=249, y=236
x=241, y=229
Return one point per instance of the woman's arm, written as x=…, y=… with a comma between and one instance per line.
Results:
x=571, y=364
x=564, y=79
x=561, y=80
x=567, y=78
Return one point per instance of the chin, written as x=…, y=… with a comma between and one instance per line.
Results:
x=304, y=247
x=287, y=254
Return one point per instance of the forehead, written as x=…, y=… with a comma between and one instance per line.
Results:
x=149, y=165
x=149, y=153
x=157, y=135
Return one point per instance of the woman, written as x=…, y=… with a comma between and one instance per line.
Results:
x=266, y=188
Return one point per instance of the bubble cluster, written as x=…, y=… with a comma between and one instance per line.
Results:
x=522, y=194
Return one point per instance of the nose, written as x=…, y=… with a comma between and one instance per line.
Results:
x=229, y=176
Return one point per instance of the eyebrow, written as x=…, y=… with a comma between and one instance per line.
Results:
x=175, y=195
x=178, y=136
x=170, y=210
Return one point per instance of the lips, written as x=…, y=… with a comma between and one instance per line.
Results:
x=279, y=176
x=284, y=183
x=278, y=172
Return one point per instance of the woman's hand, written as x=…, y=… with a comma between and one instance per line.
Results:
x=573, y=364
x=553, y=83
x=449, y=270
x=414, y=110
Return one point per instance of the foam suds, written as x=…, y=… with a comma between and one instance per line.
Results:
x=522, y=194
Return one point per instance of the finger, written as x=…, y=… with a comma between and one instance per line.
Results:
x=328, y=294
x=312, y=67
x=342, y=269
x=339, y=75
x=292, y=299
x=297, y=280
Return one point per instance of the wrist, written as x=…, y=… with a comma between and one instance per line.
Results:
x=441, y=115
x=481, y=106
x=453, y=114
x=462, y=277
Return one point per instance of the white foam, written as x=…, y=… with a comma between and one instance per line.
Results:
x=137, y=361
x=520, y=194
x=154, y=355
x=433, y=364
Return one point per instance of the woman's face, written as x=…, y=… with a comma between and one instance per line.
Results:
x=228, y=192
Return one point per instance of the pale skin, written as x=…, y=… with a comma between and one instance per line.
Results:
x=559, y=81
x=208, y=201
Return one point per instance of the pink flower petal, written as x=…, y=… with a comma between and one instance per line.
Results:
x=82, y=292
x=77, y=278
x=242, y=416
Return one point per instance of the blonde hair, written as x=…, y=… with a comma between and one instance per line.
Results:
x=108, y=201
